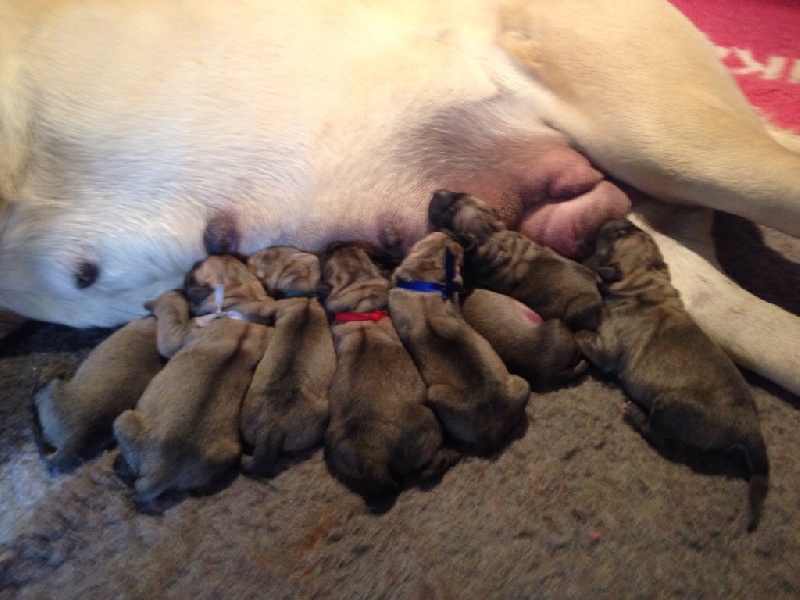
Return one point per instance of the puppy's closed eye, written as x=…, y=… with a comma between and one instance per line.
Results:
x=195, y=291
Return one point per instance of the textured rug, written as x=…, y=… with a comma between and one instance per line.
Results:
x=759, y=41
x=578, y=506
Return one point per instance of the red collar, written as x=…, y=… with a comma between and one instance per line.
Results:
x=375, y=316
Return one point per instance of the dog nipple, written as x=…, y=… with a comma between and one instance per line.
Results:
x=221, y=235
x=86, y=274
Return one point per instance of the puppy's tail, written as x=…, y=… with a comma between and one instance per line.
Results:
x=756, y=454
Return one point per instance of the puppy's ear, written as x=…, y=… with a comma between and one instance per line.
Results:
x=610, y=273
x=324, y=290
x=468, y=241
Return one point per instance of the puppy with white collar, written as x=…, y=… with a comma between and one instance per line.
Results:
x=380, y=432
x=184, y=432
x=286, y=407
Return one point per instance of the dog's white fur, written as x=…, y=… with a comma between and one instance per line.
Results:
x=125, y=124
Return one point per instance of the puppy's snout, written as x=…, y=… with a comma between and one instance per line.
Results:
x=440, y=206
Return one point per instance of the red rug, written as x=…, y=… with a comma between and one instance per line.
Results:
x=759, y=41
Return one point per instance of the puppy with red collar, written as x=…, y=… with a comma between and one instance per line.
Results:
x=380, y=432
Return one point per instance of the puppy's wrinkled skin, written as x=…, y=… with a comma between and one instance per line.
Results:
x=380, y=430
x=543, y=353
x=512, y=264
x=75, y=417
x=469, y=388
x=184, y=432
x=286, y=407
x=687, y=388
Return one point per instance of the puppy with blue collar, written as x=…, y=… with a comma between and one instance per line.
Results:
x=471, y=391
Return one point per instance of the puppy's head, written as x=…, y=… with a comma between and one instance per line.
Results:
x=466, y=218
x=623, y=249
x=426, y=260
x=240, y=284
x=284, y=269
x=351, y=280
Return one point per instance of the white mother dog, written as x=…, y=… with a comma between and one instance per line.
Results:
x=126, y=126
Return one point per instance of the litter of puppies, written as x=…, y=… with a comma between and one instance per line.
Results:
x=396, y=367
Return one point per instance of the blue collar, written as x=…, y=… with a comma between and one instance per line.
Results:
x=298, y=294
x=446, y=289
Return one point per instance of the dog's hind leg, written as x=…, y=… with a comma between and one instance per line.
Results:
x=640, y=91
x=265, y=454
x=757, y=335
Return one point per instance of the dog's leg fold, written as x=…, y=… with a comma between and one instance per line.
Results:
x=757, y=335
x=659, y=112
x=10, y=322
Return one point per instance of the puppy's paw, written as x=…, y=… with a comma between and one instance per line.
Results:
x=124, y=471
x=635, y=417
x=164, y=301
x=583, y=311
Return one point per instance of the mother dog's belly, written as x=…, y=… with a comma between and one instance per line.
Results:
x=339, y=129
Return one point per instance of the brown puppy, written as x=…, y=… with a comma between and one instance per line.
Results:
x=689, y=389
x=380, y=430
x=184, y=433
x=512, y=264
x=543, y=352
x=469, y=388
x=286, y=406
x=74, y=418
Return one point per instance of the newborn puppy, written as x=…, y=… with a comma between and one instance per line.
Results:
x=687, y=388
x=73, y=419
x=512, y=264
x=286, y=407
x=380, y=430
x=469, y=388
x=543, y=352
x=184, y=432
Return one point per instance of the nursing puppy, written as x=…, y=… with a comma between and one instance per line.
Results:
x=380, y=430
x=286, y=407
x=469, y=388
x=514, y=265
x=73, y=419
x=686, y=388
x=543, y=352
x=184, y=432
